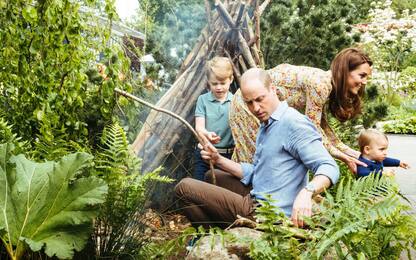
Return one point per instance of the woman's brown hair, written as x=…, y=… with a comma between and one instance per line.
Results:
x=342, y=103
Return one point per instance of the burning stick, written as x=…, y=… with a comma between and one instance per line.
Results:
x=201, y=138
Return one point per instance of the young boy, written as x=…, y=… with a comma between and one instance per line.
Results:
x=211, y=112
x=373, y=146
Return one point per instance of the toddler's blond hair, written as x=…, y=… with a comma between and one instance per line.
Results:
x=366, y=136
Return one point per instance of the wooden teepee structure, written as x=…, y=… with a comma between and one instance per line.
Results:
x=233, y=30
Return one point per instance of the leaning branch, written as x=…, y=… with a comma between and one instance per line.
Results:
x=202, y=139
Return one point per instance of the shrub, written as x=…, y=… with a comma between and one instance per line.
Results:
x=403, y=126
x=118, y=226
x=364, y=219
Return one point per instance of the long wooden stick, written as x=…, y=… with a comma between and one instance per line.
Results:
x=202, y=139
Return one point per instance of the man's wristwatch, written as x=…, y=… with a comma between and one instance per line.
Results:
x=310, y=187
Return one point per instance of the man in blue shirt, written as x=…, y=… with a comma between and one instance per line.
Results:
x=287, y=146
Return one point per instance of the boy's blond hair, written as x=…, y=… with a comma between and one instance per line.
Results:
x=220, y=67
x=366, y=136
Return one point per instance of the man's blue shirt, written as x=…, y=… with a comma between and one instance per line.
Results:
x=286, y=147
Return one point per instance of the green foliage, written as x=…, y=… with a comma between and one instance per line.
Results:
x=375, y=107
x=400, y=5
x=308, y=32
x=406, y=110
x=47, y=49
x=403, y=126
x=402, y=118
x=410, y=60
x=364, y=217
x=44, y=205
x=279, y=240
x=391, y=55
x=127, y=195
x=7, y=136
x=363, y=220
x=408, y=77
x=389, y=45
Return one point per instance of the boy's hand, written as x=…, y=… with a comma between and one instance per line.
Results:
x=404, y=165
x=213, y=137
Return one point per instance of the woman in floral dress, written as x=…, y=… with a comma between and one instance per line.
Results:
x=315, y=93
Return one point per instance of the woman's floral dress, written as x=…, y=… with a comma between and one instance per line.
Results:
x=306, y=89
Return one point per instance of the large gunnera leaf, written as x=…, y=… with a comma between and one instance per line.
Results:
x=43, y=205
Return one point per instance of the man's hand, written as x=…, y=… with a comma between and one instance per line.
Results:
x=209, y=152
x=302, y=207
x=404, y=165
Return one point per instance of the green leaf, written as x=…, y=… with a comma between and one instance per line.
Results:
x=44, y=206
x=30, y=14
x=39, y=114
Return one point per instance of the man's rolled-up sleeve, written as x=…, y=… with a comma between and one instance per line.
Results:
x=329, y=170
x=306, y=145
x=248, y=170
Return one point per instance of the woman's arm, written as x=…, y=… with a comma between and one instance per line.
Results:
x=340, y=150
x=317, y=94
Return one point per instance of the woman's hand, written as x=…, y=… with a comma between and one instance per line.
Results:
x=352, y=162
x=353, y=153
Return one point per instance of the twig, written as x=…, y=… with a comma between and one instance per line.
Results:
x=209, y=20
x=263, y=6
x=241, y=11
x=225, y=14
x=202, y=139
x=296, y=232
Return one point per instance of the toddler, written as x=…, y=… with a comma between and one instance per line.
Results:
x=373, y=146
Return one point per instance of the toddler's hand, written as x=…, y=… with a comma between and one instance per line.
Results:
x=404, y=165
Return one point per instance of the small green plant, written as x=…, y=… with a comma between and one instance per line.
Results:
x=45, y=206
x=364, y=219
x=117, y=227
x=408, y=77
x=403, y=126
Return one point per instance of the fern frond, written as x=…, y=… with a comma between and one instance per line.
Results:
x=336, y=234
x=114, y=151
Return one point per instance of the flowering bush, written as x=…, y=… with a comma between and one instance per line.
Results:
x=391, y=42
x=385, y=29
